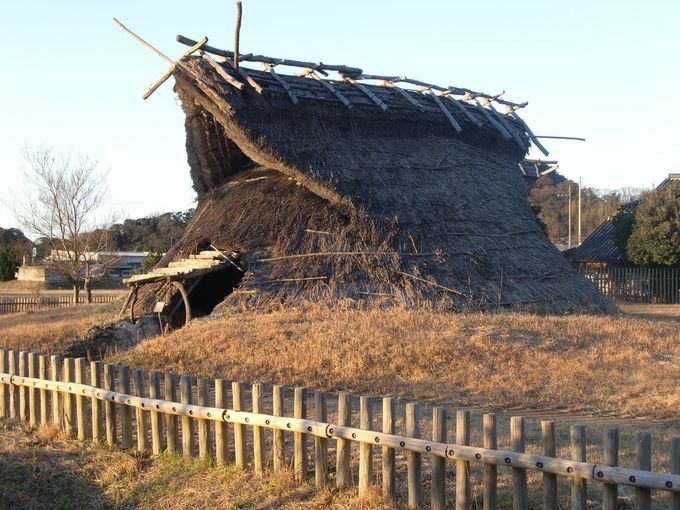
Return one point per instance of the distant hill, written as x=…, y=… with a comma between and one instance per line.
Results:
x=156, y=232
x=15, y=239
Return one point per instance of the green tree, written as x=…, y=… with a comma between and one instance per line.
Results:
x=150, y=261
x=9, y=260
x=655, y=238
x=622, y=228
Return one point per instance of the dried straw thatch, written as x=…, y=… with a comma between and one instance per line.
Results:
x=369, y=202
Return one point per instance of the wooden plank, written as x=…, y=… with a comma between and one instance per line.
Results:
x=611, y=458
x=365, y=449
x=69, y=400
x=549, y=479
x=140, y=415
x=221, y=428
x=171, y=425
x=388, y=454
x=278, y=439
x=258, y=432
x=413, y=459
x=343, y=448
x=203, y=394
x=238, y=403
x=155, y=416
x=44, y=394
x=82, y=412
x=675, y=469
x=579, y=492
x=96, y=404
x=490, y=477
x=186, y=397
x=33, y=396
x=438, y=489
x=300, y=438
x=23, y=390
x=109, y=407
x=519, y=475
x=320, y=443
x=463, y=467
x=125, y=411
x=55, y=366
x=446, y=112
x=643, y=462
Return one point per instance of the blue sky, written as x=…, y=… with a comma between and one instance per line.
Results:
x=602, y=70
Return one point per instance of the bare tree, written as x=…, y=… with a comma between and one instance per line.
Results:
x=63, y=195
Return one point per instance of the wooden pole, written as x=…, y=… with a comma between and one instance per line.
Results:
x=365, y=449
x=258, y=432
x=579, y=493
x=143, y=43
x=643, y=461
x=203, y=393
x=55, y=365
x=156, y=423
x=519, y=475
x=13, y=365
x=44, y=394
x=610, y=494
x=171, y=429
x=221, y=429
x=83, y=416
x=140, y=416
x=675, y=469
x=438, y=463
x=278, y=439
x=109, y=407
x=33, y=397
x=490, y=482
x=187, y=423
x=23, y=390
x=342, y=472
x=299, y=438
x=549, y=479
x=96, y=405
x=237, y=33
x=463, y=466
x=320, y=443
x=388, y=454
x=125, y=411
x=69, y=400
x=238, y=403
x=413, y=462
x=4, y=388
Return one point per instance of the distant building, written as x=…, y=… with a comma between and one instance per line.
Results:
x=116, y=264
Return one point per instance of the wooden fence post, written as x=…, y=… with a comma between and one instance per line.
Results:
x=69, y=398
x=300, y=438
x=188, y=441
x=81, y=401
x=388, y=454
x=610, y=494
x=96, y=404
x=365, y=449
x=171, y=429
x=643, y=461
x=413, y=463
x=203, y=394
x=4, y=388
x=221, y=428
x=23, y=393
x=44, y=395
x=675, y=469
x=109, y=406
x=549, y=479
x=155, y=416
x=320, y=443
x=462, y=466
x=258, y=432
x=238, y=402
x=55, y=366
x=579, y=489
x=278, y=438
x=519, y=475
x=140, y=416
x=13, y=364
x=125, y=411
x=343, y=475
x=490, y=481
x=438, y=490
x=33, y=396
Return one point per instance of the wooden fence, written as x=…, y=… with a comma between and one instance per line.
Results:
x=638, y=284
x=131, y=409
x=22, y=304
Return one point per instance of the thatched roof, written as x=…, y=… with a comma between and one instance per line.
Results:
x=336, y=189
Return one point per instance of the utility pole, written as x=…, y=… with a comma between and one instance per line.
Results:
x=569, y=234
x=579, y=210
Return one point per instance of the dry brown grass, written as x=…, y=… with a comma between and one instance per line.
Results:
x=40, y=469
x=51, y=330
x=625, y=366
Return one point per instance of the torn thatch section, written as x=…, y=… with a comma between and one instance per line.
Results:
x=391, y=203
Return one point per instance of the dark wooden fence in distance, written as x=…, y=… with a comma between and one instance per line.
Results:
x=659, y=285
x=22, y=304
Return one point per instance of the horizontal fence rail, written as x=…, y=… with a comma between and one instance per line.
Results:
x=22, y=304
x=106, y=409
x=637, y=284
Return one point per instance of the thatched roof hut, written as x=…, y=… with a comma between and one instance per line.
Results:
x=330, y=189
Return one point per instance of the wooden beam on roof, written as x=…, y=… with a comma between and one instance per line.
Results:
x=367, y=92
x=258, y=88
x=499, y=127
x=282, y=82
x=331, y=89
x=446, y=111
x=224, y=74
x=506, y=125
x=401, y=92
x=160, y=81
x=465, y=111
x=532, y=137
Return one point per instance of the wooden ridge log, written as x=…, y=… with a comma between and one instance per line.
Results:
x=160, y=81
x=446, y=112
x=226, y=77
